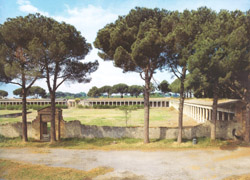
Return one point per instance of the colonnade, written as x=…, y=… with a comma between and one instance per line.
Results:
x=203, y=113
x=40, y=102
x=125, y=102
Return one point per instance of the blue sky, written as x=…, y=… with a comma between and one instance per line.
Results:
x=88, y=16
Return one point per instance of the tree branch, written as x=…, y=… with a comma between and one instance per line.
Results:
x=34, y=80
x=47, y=75
x=15, y=83
x=61, y=82
x=141, y=75
x=174, y=71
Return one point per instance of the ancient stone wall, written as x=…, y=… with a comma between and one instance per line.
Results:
x=74, y=129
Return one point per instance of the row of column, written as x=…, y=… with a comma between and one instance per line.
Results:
x=121, y=103
x=31, y=103
x=202, y=114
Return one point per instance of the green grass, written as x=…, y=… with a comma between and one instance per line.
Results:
x=159, y=117
x=113, y=144
x=16, y=170
x=31, y=116
x=2, y=112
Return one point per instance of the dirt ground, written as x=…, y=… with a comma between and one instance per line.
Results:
x=138, y=165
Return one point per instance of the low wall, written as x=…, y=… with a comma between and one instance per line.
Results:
x=74, y=129
x=14, y=115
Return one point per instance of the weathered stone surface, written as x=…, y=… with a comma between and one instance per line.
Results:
x=73, y=129
x=11, y=129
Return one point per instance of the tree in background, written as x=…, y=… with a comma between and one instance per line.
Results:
x=135, y=43
x=127, y=111
x=211, y=58
x=80, y=95
x=106, y=89
x=3, y=93
x=77, y=100
x=62, y=50
x=135, y=90
x=164, y=87
x=176, y=84
x=181, y=32
x=238, y=64
x=35, y=91
x=19, y=57
x=120, y=88
x=94, y=92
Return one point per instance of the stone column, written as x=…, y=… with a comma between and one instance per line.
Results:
x=218, y=115
x=223, y=116
x=207, y=112
x=200, y=115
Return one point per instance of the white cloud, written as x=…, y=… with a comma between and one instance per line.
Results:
x=26, y=6
x=88, y=20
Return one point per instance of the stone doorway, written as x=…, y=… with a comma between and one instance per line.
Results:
x=45, y=131
x=41, y=125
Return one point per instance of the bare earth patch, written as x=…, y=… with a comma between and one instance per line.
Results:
x=157, y=165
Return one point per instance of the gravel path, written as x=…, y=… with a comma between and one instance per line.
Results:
x=138, y=165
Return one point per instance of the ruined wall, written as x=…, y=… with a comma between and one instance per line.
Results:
x=73, y=129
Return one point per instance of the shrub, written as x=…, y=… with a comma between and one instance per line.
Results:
x=104, y=107
x=62, y=106
x=13, y=107
x=80, y=106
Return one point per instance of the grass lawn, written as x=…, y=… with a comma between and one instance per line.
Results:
x=159, y=117
x=30, y=117
x=18, y=170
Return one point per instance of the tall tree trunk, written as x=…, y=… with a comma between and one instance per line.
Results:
x=247, y=122
x=53, y=115
x=181, y=104
x=24, y=108
x=214, y=112
x=146, y=108
x=24, y=115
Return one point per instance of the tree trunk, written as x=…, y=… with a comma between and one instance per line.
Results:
x=181, y=104
x=214, y=112
x=53, y=114
x=121, y=95
x=24, y=115
x=24, y=109
x=146, y=108
x=247, y=122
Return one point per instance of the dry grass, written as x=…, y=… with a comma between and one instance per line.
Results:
x=110, y=144
x=240, y=177
x=244, y=153
x=17, y=170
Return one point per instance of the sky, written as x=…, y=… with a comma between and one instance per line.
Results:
x=88, y=16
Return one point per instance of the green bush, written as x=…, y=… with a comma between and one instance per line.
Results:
x=62, y=106
x=80, y=106
x=104, y=106
x=13, y=107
